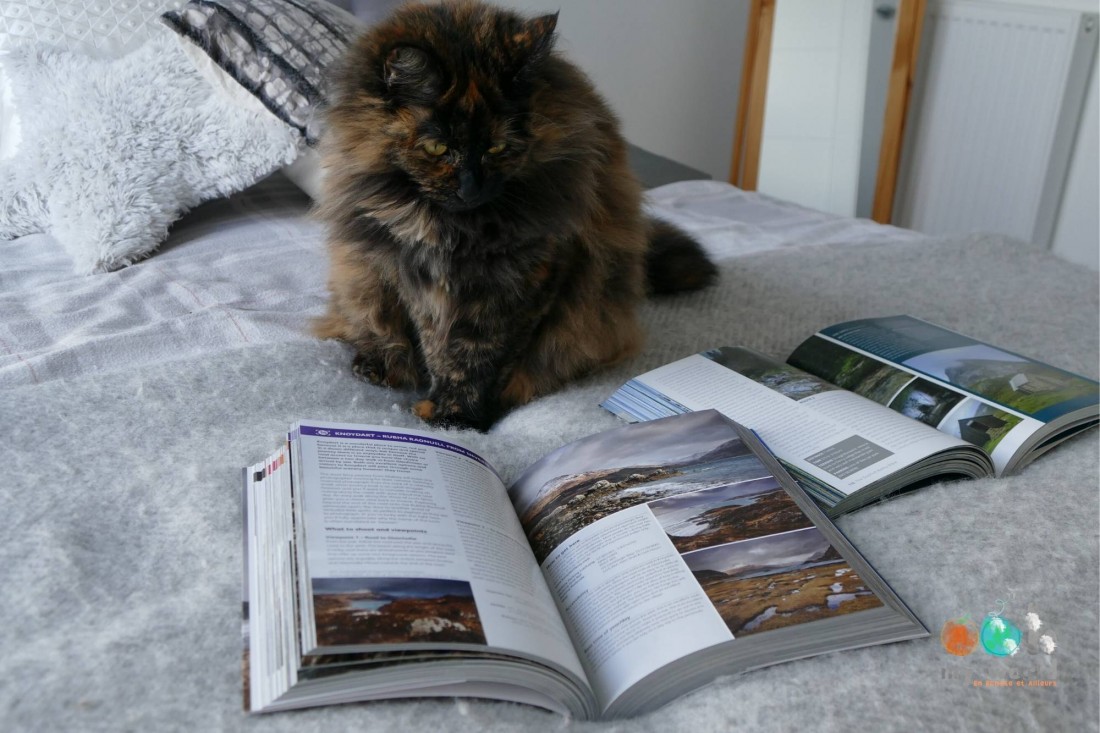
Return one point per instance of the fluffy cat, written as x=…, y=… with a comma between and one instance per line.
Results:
x=485, y=231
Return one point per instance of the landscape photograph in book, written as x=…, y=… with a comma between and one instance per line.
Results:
x=320, y=666
x=850, y=370
x=728, y=513
x=591, y=479
x=775, y=375
x=926, y=401
x=778, y=580
x=1005, y=378
x=246, y=657
x=979, y=423
x=354, y=611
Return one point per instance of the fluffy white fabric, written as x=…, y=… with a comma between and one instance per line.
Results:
x=113, y=151
x=100, y=28
x=104, y=29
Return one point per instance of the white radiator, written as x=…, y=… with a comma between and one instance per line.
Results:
x=995, y=109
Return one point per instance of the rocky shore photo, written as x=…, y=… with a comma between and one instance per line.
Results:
x=573, y=502
x=361, y=611
x=583, y=482
x=727, y=514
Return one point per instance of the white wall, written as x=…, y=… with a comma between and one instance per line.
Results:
x=1077, y=228
x=670, y=69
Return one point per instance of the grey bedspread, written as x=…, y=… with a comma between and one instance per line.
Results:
x=120, y=557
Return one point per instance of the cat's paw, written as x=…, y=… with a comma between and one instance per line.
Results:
x=394, y=372
x=445, y=413
x=369, y=368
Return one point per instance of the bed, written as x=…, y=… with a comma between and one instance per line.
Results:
x=131, y=399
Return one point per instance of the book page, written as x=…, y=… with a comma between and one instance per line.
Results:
x=925, y=386
x=268, y=666
x=410, y=539
x=843, y=442
x=657, y=540
x=631, y=603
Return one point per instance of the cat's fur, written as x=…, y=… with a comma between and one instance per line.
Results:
x=489, y=275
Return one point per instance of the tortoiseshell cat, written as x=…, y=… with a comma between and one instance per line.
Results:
x=485, y=231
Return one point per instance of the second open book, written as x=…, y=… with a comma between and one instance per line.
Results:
x=866, y=408
x=615, y=574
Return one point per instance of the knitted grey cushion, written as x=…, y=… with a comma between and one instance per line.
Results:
x=276, y=49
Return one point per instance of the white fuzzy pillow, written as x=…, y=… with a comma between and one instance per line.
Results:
x=103, y=29
x=114, y=150
x=112, y=126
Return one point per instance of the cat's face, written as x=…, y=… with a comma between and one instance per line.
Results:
x=455, y=83
x=461, y=147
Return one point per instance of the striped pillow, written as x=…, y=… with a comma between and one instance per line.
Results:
x=278, y=50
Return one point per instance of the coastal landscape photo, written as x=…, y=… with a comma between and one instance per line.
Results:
x=727, y=514
x=362, y=611
x=586, y=481
x=778, y=580
x=1012, y=381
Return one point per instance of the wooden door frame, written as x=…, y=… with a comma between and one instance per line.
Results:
x=749, y=126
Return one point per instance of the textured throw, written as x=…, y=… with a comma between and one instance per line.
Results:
x=113, y=151
x=121, y=553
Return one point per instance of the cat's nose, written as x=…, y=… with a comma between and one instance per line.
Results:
x=469, y=185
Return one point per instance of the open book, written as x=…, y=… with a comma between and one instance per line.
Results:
x=615, y=574
x=865, y=408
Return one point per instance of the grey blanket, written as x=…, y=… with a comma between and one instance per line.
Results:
x=120, y=558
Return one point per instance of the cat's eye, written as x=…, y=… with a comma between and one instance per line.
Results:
x=435, y=148
x=496, y=149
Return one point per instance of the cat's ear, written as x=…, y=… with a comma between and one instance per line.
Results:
x=412, y=75
x=534, y=39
